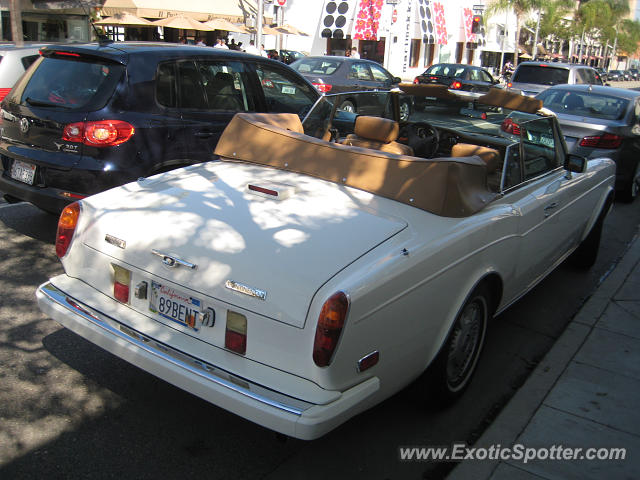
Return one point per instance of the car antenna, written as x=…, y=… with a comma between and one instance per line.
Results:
x=103, y=40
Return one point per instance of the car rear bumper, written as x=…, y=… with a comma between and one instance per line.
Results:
x=258, y=403
x=46, y=198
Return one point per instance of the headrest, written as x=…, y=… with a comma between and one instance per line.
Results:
x=376, y=128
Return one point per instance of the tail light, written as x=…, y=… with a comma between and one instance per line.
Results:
x=416, y=80
x=510, y=126
x=268, y=83
x=121, y=283
x=66, y=227
x=456, y=85
x=607, y=140
x=509, y=84
x=323, y=87
x=330, y=324
x=235, y=337
x=4, y=92
x=103, y=133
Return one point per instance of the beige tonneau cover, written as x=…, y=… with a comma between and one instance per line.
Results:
x=451, y=187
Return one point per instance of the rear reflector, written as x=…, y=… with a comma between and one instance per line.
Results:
x=330, y=324
x=606, y=141
x=235, y=338
x=121, y=283
x=66, y=228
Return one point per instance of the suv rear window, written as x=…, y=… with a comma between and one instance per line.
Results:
x=320, y=66
x=541, y=75
x=72, y=84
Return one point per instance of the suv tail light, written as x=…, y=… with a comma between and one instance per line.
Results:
x=330, y=324
x=607, y=140
x=66, y=227
x=103, y=133
x=510, y=126
x=456, y=85
x=323, y=87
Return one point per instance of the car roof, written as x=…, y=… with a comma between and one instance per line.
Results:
x=10, y=47
x=341, y=58
x=120, y=51
x=555, y=64
x=601, y=89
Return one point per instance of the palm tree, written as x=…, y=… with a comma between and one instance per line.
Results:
x=521, y=8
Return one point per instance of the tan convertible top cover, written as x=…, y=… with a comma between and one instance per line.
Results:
x=451, y=187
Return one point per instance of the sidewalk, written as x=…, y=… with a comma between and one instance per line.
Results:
x=585, y=393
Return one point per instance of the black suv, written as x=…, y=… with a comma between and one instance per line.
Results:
x=90, y=117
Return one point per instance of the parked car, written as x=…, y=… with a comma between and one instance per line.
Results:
x=87, y=118
x=285, y=56
x=13, y=63
x=603, y=74
x=616, y=75
x=635, y=73
x=531, y=78
x=458, y=76
x=305, y=278
x=333, y=74
x=601, y=122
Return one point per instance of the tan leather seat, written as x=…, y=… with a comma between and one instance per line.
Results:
x=490, y=156
x=377, y=133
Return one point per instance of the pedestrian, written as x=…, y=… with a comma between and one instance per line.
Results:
x=263, y=52
x=354, y=52
x=220, y=44
x=252, y=49
x=200, y=42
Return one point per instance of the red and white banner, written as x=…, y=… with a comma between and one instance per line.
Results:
x=367, y=19
x=441, y=24
x=467, y=21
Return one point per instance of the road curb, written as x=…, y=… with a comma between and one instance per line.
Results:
x=517, y=414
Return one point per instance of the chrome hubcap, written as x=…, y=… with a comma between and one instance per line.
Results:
x=465, y=343
x=404, y=111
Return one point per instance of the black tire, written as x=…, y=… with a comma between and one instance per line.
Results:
x=348, y=106
x=587, y=252
x=631, y=190
x=451, y=371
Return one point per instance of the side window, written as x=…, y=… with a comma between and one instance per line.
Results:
x=581, y=75
x=360, y=71
x=190, y=88
x=539, y=147
x=284, y=92
x=512, y=170
x=379, y=75
x=28, y=60
x=166, y=85
x=485, y=77
x=225, y=86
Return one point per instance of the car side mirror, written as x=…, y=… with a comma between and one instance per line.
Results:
x=397, y=80
x=575, y=163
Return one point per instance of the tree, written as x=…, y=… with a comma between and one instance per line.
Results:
x=16, y=22
x=521, y=8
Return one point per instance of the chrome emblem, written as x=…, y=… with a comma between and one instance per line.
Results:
x=246, y=289
x=24, y=125
x=173, y=261
x=115, y=241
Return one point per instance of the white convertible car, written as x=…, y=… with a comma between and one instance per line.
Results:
x=318, y=267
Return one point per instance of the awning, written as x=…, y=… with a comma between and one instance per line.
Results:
x=235, y=11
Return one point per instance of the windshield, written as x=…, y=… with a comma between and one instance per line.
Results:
x=585, y=104
x=319, y=66
x=71, y=84
x=541, y=75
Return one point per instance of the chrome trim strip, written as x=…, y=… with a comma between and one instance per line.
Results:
x=170, y=355
x=246, y=289
x=171, y=261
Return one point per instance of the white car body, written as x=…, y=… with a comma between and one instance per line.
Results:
x=407, y=273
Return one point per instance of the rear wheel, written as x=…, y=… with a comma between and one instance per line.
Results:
x=630, y=191
x=453, y=368
x=348, y=106
x=587, y=252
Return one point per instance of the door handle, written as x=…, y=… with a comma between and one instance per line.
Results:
x=548, y=210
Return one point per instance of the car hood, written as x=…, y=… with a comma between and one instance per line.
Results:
x=224, y=218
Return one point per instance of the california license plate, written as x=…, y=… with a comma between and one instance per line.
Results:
x=175, y=305
x=23, y=172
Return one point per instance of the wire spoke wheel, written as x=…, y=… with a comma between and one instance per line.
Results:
x=465, y=343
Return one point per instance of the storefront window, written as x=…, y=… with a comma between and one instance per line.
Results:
x=429, y=50
x=414, y=55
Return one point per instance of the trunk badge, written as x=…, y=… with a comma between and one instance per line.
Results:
x=115, y=241
x=246, y=289
x=173, y=261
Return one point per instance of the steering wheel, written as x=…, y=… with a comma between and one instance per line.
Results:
x=423, y=138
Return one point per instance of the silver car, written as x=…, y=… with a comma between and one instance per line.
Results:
x=13, y=63
x=601, y=122
x=531, y=78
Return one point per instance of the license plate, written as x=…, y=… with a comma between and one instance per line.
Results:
x=289, y=90
x=175, y=305
x=23, y=172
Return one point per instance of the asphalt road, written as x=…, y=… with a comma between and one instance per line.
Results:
x=70, y=410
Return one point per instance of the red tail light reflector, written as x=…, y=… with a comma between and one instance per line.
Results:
x=103, y=133
x=66, y=54
x=456, y=85
x=510, y=126
x=416, y=80
x=4, y=92
x=330, y=324
x=66, y=227
x=323, y=87
x=121, y=283
x=235, y=337
x=608, y=141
